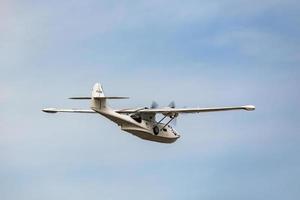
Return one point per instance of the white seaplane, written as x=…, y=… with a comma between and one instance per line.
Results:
x=141, y=122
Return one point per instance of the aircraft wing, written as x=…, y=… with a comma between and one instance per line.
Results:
x=55, y=110
x=171, y=111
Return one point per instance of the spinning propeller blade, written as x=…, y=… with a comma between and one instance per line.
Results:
x=154, y=105
x=172, y=105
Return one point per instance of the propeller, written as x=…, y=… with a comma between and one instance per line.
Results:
x=154, y=105
x=172, y=105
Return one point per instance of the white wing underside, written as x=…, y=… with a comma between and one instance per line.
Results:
x=55, y=110
x=185, y=110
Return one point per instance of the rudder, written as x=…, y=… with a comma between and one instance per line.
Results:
x=98, y=97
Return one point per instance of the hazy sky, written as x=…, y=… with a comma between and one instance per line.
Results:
x=198, y=53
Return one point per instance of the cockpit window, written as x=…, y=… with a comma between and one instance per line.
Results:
x=137, y=118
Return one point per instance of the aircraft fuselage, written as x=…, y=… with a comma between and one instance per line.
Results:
x=147, y=130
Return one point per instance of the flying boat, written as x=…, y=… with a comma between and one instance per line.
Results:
x=142, y=121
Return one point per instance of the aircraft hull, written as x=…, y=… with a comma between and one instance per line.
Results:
x=149, y=136
x=143, y=130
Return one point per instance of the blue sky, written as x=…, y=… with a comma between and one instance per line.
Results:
x=198, y=53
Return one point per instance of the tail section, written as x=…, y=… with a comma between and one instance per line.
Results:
x=99, y=94
x=97, y=91
x=98, y=101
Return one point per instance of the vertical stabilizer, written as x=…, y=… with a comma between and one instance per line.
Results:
x=97, y=91
x=98, y=103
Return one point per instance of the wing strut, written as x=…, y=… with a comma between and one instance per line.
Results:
x=172, y=118
x=161, y=120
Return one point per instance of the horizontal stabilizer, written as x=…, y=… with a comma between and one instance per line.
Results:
x=80, y=98
x=111, y=97
x=84, y=98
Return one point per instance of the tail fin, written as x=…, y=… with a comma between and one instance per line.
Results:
x=99, y=94
x=97, y=91
x=98, y=97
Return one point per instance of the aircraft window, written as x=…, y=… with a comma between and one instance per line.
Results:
x=164, y=129
x=137, y=118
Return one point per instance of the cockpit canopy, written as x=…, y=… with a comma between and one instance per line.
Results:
x=136, y=117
